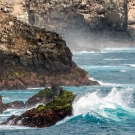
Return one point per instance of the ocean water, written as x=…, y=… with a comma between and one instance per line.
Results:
x=108, y=109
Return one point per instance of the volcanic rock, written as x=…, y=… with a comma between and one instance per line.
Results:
x=33, y=57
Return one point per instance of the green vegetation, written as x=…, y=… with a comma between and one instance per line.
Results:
x=63, y=101
x=40, y=108
x=14, y=74
x=47, y=93
x=20, y=73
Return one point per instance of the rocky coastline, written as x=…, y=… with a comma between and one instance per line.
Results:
x=90, y=24
x=56, y=105
x=33, y=57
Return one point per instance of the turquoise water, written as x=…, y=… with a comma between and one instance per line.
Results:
x=108, y=109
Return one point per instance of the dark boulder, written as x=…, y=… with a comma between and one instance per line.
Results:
x=14, y=105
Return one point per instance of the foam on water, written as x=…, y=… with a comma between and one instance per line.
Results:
x=108, y=106
x=9, y=127
x=132, y=65
x=113, y=59
x=83, y=52
x=109, y=50
x=113, y=84
x=108, y=84
x=10, y=112
x=38, y=88
x=123, y=71
x=105, y=84
x=100, y=67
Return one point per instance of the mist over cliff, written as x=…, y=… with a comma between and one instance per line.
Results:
x=85, y=25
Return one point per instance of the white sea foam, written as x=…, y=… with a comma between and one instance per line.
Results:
x=97, y=105
x=92, y=79
x=109, y=84
x=104, y=84
x=83, y=52
x=131, y=65
x=6, y=98
x=10, y=112
x=123, y=71
x=121, y=48
x=115, y=84
x=92, y=66
x=9, y=127
x=113, y=59
x=113, y=50
x=64, y=120
x=35, y=88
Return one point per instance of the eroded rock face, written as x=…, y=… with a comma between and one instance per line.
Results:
x=33, y=57
x=131, y=18
x=16, y=8
x=97, y=14
x=83, y=24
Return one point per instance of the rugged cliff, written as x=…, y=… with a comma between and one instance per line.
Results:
x=83, y=24
x=33, y=57
x=131, y=18
x=90, y=24
x=97, y=14
x=16, y=8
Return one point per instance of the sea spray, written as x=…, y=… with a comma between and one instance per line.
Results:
x=113, y=106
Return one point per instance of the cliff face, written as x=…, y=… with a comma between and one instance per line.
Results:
x=83, y=24
x=33, y=57
x=91, y=24
x=131, y=18
x=15, y=8
x=97, y=14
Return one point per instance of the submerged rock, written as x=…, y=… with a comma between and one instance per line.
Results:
x=12, y=105
x=59, y=107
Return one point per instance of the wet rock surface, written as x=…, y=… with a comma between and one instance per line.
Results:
x=58, y=107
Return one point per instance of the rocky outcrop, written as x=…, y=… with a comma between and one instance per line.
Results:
x=14, y=105
x=59, y=107
x=11, y=105
x=131, y=18
x=33, y=57
x=44, y=96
